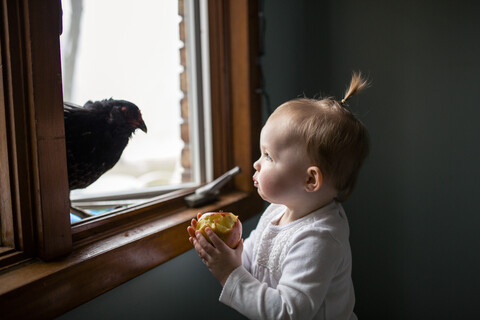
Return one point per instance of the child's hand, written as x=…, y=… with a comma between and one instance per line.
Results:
x=193, y=227
x=219, y=258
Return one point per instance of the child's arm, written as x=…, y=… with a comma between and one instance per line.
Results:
x=247, y=253
x=306, y=276
x=220, y=259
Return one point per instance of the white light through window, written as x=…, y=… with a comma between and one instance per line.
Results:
x=131, y=50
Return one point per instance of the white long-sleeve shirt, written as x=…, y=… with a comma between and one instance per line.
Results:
x=301, y=270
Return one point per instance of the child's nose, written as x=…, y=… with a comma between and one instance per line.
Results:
x=256, y=165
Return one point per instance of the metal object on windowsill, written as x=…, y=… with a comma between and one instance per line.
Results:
x=209, y=192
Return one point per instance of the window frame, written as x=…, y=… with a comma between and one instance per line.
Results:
x=51, y=257
x=34, y=130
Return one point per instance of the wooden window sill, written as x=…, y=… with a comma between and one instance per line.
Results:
x=49, y=289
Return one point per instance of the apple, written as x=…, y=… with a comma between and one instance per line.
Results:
x=225, y=224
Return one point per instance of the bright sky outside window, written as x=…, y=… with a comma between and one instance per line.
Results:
x=141, y=52
x=130, y=51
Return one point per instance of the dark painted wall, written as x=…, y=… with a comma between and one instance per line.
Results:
x=415, y=230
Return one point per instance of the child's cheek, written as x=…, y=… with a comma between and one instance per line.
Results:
x=270, y=186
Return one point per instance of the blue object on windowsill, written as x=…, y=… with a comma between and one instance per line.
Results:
x=74, y=218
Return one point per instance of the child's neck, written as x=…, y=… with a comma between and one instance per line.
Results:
x=292, y=214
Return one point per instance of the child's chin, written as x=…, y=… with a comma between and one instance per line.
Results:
x=261, y=194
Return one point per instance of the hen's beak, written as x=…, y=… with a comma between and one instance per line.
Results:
x=142, y=126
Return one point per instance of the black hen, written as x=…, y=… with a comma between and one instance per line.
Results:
x=96, y=136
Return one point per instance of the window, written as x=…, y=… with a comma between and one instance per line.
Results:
x=34, y=216
x=146, y=52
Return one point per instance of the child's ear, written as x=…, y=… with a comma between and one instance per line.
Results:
x=314, y=179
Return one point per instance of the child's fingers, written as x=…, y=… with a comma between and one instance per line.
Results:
x=202, y=241
x=194, y=223
x=204, y=248
x=207, y=247
x=191, y=231
x=217, y=242
x=198, y=247
x=239, y=245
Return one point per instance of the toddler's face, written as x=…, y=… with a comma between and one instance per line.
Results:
x=281, y=170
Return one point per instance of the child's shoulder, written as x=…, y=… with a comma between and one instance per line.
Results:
x=272, y=211
x=330, y=221
x=327, y=222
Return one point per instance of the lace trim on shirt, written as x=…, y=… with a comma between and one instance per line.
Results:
x=276, y=243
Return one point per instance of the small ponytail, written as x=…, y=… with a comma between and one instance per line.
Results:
x=357, y=84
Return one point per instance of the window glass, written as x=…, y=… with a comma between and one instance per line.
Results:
x=134, y=51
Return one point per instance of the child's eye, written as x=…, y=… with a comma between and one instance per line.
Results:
x=267, y=156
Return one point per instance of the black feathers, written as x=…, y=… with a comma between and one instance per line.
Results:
x=96, y=136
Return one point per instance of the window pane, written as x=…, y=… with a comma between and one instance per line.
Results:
x=130, y=50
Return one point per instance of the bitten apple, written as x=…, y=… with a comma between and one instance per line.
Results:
x=225, y=224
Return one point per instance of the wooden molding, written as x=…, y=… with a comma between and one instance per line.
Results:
x=45, y=102
x=235, y=78
x=35, y=131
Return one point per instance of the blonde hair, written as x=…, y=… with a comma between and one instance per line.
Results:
x=335, y=140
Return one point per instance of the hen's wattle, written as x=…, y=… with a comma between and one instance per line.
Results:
x=96, y=136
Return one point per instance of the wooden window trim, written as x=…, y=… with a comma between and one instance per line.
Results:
x=49, y=265
x=32, y=100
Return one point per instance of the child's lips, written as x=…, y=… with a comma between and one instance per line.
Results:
x=255, y=182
